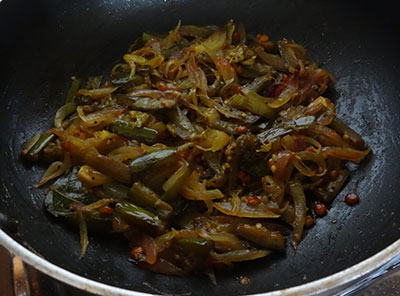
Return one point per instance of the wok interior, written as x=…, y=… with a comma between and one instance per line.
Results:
x=48, y=42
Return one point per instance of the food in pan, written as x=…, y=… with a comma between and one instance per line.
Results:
x=205, y=146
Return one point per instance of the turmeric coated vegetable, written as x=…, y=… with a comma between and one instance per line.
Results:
x=207, y=146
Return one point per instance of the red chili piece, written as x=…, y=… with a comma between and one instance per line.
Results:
x=309, y=221
x=161, y=86
x=320, y=209
x=252, y=200
x=107, y=210
x=299, y=144
x=310, y=149
x=183, y=153
x=137, y=250
x=239, y=70
x=352, y=198
x=243, y=177
x=236, y=36
x=241, y=129
x=67, y=146
x=334, y=173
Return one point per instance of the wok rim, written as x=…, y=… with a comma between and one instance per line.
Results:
x=341, y=279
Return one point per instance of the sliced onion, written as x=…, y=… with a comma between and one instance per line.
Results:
x=300, y=208
x=212, y=140
x=246, y=211
x=55, y=170
x=125, y=152
x=193, y=189
x=319, y=104
x=77, y=147
x=347, y=133
x=83, y=233
x=289, y=91
x=238, y=255
x=142, y=61
x=215, y=42
x=116, y=190
x=273, y=60
x=91, y=177
x=223, y=240
x=104, y=116
x=272, y=188
x=149, y=247
x=329, y=136
x=164, y=241
x=98, y=204
x=164, y=267
x=226, y=70
x=318, y=159
x=97, y=93
x=178, y=177
x=155, y=94
x=345, y=153
x=196, y=74
x=281, y=163
x=63, y=112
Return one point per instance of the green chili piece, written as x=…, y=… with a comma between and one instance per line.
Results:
x=122, y=78
x=140, y=217
x=174, y=183
x=253, y=103
x=75, y=83
x=195, y=245
x=116, y=170
x=181, y=123
x=146, y=37
x=261, y=236
x=144, y=196
x=42, y=141
x=145, y=161
x=145, y=103
x=141, y=134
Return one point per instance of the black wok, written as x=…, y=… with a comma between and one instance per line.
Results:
x=45, y=42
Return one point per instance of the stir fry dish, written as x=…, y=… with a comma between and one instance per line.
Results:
x=205, y=146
